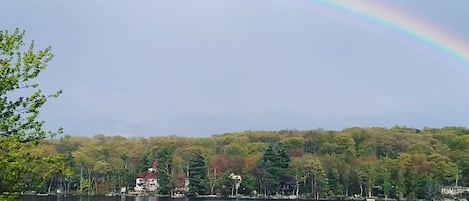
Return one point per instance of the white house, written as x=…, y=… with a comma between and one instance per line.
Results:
x=454, y=190
x=139, y=183
x=151, y=181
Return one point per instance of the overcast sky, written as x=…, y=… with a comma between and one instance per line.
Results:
x=197, y=68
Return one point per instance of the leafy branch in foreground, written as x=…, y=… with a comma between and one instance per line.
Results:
x=20, y=102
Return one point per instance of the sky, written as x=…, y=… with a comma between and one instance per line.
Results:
x=198, y=68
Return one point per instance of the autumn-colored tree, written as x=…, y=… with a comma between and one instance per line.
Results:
x=218, y=165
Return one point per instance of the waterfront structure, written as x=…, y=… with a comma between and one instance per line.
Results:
x=146, y=183
x=454, y=190
x=151, y=182
x=237, y=181
x=139, y=183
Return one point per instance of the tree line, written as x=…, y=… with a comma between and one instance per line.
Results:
x=396, y=162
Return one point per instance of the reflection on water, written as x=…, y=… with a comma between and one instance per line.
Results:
x=105, y=198
x=123, y=198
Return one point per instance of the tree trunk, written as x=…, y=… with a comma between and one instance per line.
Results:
x=260, y=185
x=81, y=178
x=89, y=177
x=297, y=188
x=213, y=180
x=312, y=188
x=346, y=191
x=50, y=185
x=361, y=190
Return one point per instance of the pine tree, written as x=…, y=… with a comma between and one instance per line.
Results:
x=272, y=169
x=197, y=175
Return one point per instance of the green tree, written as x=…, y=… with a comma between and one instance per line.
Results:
x=272, y=169
x=20, y=102
x=368, y=175
x=197, y=175
x=387, y=185
x=310, y=171
x=335, y=188
x=86, y=158
x=164, y=159
x=144, y=163
x=248, y=185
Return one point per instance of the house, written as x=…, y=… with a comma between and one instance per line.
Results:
x=454, y=190
x=139, y=183
x=147, y=183
x=237, y=180
x=151, y=182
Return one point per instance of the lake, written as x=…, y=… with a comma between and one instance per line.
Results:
x=124, y=198
x=115, y=198
x=101, y=198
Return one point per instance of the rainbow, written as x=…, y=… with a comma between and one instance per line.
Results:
x=405, y=23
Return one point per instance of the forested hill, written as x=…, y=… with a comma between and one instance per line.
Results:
x=392, y=162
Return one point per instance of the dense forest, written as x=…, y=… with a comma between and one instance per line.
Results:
x=396, y=162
